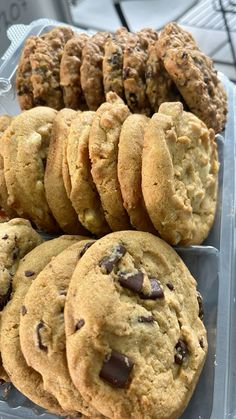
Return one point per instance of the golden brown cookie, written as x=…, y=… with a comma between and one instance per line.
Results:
x=129, y=171
x=42, y=331
x=83, y=193
x=25, y=378
x=6, y=212
x=56, y=195
x=137, y=348
x=194, y=75
x=70, y=72
x=45, y=62
x=180, y=175
x=91, y=70
x=26, y=144
x=113, y=62
x=103, y=151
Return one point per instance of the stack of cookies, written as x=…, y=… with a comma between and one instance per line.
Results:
x=110, y=170
x=108, y=328
x=63, y=69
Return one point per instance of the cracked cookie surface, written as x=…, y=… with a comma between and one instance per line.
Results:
x=140, y=341
x=180, y=175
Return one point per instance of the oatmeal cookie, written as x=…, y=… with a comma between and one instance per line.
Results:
x=195, y=77
x=180, y=175
x=45, y=62
x=91, y=70
x=140, y=340
x=70, y=72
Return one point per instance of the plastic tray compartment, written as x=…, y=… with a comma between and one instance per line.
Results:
x=212, y=264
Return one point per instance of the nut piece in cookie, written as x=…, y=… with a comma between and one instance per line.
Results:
x=129, y=171
x=45, y=63
x=142, y=339
x=180, y=175
x=103, y=151
x=70, y=72
x=194, y=75
x=91, y=70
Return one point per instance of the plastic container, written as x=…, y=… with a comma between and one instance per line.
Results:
x=212, y=264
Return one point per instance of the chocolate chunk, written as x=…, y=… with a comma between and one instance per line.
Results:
x=201, y=343
x=201, y=311
x=79, y=324
x=5, y=297
x=147, y=319
x=5, y=237
x=109, y=262
x=39, y=326
x=29, y=273
x=116, y=369
x=15, y=253
x=84, y=249
x=23, y=310
x=131, y=281
x=156, y=291
x=181, y=351
x=170, y=286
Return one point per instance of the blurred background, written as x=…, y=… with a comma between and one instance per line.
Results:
x=212, y=22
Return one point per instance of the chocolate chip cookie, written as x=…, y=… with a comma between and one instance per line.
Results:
x=195, y=77
x=134, y=347
x=42, y=331
x=17, y=238
x=45, y=62
x=103, y=151
x=180, y=175
x=6, y=212
x=112, y=66
x=70, y=72
x=129, y=171
x=56, y=195
x=91, y=75
x=25, y=378
x=83, y=194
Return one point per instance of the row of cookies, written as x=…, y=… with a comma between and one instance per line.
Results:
x=70, y=347
x=110, y=170
x=63, y=69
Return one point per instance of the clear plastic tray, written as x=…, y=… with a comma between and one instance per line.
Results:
x=212, y=264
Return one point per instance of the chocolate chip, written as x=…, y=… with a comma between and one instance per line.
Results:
x=5, y=297
x=147, y=319
x=156, y=291
x=201, y=343
x=15, y=253
x=170, y=286
x=79, y=324
x=131, y=281
x=116, y=369
x=109, y=262
x=39, y=326
x=181, y=351
x=201, y=311
x=85, y=248
x=5, y=237
x=29, y=273
x=23, y=310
